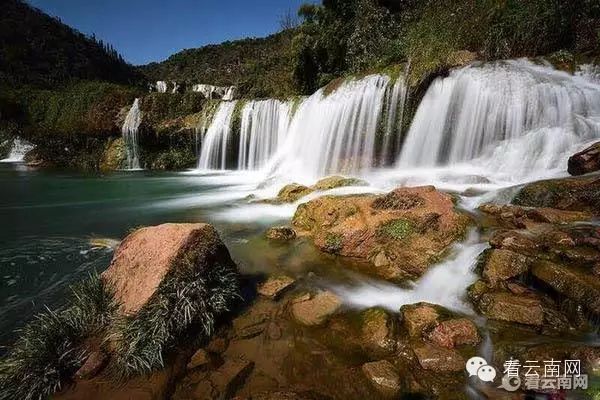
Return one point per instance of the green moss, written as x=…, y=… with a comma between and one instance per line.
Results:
x=398, y=229
x=333, y=242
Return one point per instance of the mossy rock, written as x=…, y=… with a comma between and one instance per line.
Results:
x=398, y=229
x=332, y=182
x=114, y=156
x=293, y=192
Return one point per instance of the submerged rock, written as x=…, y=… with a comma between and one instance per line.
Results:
x=281, y=233
x=586, y=161
x=275, y=286
x=384, y=377
x=378, y=331
x=572, y=194
x=315, y=310
x=401, y=233
x=145, y=258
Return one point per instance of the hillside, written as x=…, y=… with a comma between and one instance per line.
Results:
x=37, y=49
x=260, y=67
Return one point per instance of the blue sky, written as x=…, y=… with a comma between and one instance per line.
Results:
x=151, y=30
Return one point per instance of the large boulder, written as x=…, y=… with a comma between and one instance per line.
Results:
x=586, y=161
x=512, y=216
x=509, y=307
x=573, y=283
x=572, y=194
x=401, y=233
x=500, y=265
x=145, y=258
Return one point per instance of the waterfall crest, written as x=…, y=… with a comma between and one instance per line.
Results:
x=511, y=116
x=130, y=135
x=338, y=133
x=216, y=141
x=263, y=127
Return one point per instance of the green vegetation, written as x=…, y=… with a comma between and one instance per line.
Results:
x=53, y=346
x=258, y=67
x=398, y=229
x=50, y=348
x=348, y=36
x=187, y=298
x=333, y=242
x=39, y=50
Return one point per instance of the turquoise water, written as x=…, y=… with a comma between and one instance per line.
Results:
x=51, y=222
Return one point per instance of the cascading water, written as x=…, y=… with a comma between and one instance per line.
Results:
x=130, y=135
x=264, y=125
x=514, y=120
x=215, y=143
x=161, y=86
x=395, y=101
x=18, y=151
x=337, y=133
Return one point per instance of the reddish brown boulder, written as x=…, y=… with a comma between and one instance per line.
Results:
x=586, y=161
x=500, y=265
x=419, y=317
x=401, y=233
x=455, y=332
x=146, y=256
x=505, y=306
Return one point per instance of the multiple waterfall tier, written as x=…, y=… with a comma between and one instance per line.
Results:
x=515, y=116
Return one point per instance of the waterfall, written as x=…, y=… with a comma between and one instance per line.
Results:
x=225, y=93
x=216, y=141
x=396, y=97
x=161, y=87
x=130, y=135
x=263, y=127
x=337, y=133
x=511, y=117
x=18, y=151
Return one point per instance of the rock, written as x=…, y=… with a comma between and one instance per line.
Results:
x=455, y=332
x=275, y=286
x=384, y=377
x=145, y=257
x=460, y=58
x=217, y=345
x=402, y=233
x=293, y=192
x=332, y=182
x=514, y=241
x=523, y=217
x=114, y=155
x=200, y=358
x=586, y=161
x=282, y=233
x=378, y=331
x=500, y=265
x=305, y=395
x=572, y=194
x=229, y=377
x=93, y=365
x=573, y=283
x=419, y=317
x=317, y=309
x=439, y=359
x=505, y=306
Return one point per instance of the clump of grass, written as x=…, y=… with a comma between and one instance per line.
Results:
x=187, y=298
x=398, y=229
x=49, y=350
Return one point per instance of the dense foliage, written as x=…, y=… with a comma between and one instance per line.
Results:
x=346, y=36
x=38, y=49
x=259, y=67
